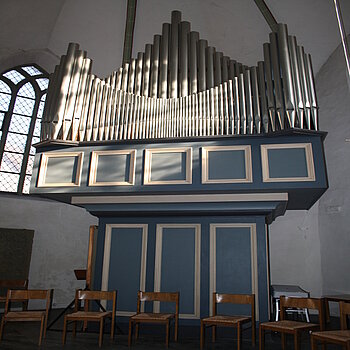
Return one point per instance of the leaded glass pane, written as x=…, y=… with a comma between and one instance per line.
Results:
x=14, y=76
x=27, y=90
x=4, y=87
x=30, y=165
x=26, y=184
x=15, y=142
x=43, y=98
x=24, y=106
x=11, y=162
x=4, y=101
x=31, y=70
x=40, y=110
x=9, y=182
x=37, y=128
x=43, y=83
x=34, y=141
x=20, y=124
x=2, y=116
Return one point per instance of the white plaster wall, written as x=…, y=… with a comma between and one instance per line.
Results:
x=295, y=250
x=98, y=26
x=60, y=242
x=334, y=208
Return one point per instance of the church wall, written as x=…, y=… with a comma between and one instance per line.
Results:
x=334, y=206
x=60, y=242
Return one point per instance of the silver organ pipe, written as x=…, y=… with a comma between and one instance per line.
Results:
x=181, y=87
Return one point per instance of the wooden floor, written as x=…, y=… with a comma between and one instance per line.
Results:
x=25, y=336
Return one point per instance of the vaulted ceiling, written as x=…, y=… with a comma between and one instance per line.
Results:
x=235, y=27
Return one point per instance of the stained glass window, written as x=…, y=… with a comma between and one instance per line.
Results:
x=22, y=99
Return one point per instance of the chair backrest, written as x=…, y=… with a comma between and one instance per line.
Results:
x=97, y=295
x=303, y=303
x=344, y=312
x=158, y=296
x=12, y=284
x=28, y=294
x=246, y=299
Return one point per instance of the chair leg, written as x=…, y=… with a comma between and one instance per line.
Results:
x=130, y=332
x=100, y=338
x=112, y=327
x=41, y=329
x=176, y=331
x=64, y=330
x=296, y=341
x=239, y=336
x=313, y=343
x=253, y=334
x=137, y=331
x=167, y=334
x=213, y=331
x=261, y=338
x=74, y=328
x=202, y=336
x=283, y=339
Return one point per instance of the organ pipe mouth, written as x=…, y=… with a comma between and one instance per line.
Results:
x=181, y=87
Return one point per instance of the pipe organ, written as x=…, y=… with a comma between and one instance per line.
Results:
x=180, y=87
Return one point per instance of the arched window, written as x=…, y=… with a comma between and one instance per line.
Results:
x=22, y=99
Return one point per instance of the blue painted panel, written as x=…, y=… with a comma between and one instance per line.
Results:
x=113, y=168
x=233, y=265
x=61, y=170
x=168, y=166
x=124, y=268
x=178, y=266
x=228, y=164
x=288, y=162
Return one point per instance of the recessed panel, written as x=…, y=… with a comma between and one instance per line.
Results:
x=231, y=164
x=287, y=163
x=125, y=249
x=60, y=169
x=168, y=166
x=177, y=266
x=110, y=168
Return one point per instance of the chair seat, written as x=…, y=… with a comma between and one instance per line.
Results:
x=338, y=336
x=150, y=316
x=288, y=325
x=92, y=315
x=226, y=320
x=24, y=315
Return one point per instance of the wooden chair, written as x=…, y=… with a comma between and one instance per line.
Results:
x=229, y=321
x=150, y=317
x=93, y=316
x=25, y=315
x=14, y=284
x=295, y=328
x=340, y=337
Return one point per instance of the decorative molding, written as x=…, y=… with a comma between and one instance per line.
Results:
x=43, y=169
x=94, y=166
x=148, y=166
x=190, y=198
x=107, y=254
x=253, y=257
x=309, y=162
x=158, y=266
x=247, y=161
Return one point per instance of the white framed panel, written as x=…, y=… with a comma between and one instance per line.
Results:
x=95, y=155
x=253, y=260
x=149, y=167
x=107, y=258
x=310, y=168
x=196, y=268
x=248, y=177
x=55, y=156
